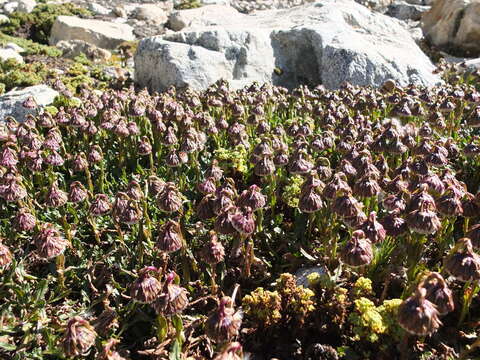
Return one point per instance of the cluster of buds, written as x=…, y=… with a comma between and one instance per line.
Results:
x=167, y=299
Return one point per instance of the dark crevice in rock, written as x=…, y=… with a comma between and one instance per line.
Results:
x=296, y=60
x=458, y=21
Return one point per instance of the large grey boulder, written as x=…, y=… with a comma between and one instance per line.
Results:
x=328, y=42
x=11, y=103
x=104, y=34
x=454, y=26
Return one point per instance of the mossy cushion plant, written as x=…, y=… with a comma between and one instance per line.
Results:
x=38, y=24
x=30, y=47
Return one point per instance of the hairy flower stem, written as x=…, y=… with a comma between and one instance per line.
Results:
x=101, y=179
x=121, y=237
x=444, y=236
x=60, y=267
x=469, y=292
x=415, y=246
x=66, y=227
x=260, y=220
x=89, y=180
x=213, y=283
x=93, y=224
x=271, y=192
x=152, y=164
x=466, y=222
x=368, y=204
x=311, y=224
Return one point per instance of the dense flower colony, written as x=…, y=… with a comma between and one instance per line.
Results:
x=167, y=225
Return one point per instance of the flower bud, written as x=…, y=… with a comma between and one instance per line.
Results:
x=462, y=263
x=170, y=199
x=77, y=193
x=357, y=251
x=417, y=315
x=170, y=238
x=49, y=242
x=173, y=298
x=24, y=220
x=100, y=205
x=438, y=293
x=55, y=197
x=79, y=337
x=224, y=323
x=146, y=287
x=5, y=255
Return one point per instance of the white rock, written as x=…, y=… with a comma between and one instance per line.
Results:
x=4, y=19
x=420, y=2
x=216, y=2
x=203, y=16
x=472, y=64
x=7, y=53
x=454, y=25
x=98, y=9
x=323, y=43
x=103, y=34
x=11, y=103
x=377, y=5
x=152, y=13
x=26, y=6
x=14, y=47
x=10, y=7
x=404, y=11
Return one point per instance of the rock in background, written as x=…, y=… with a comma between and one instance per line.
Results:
x=103, y=34
x=454, y=26
x=324, y=43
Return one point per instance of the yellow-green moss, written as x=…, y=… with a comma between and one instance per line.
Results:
x=38, y=24
x=30, y=47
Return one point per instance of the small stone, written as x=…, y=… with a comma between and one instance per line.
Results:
x=10, y=7
x=7, y=53
x=73, y=48
x=151, y=13
x=98, y=9
x=14, y=47
x=4, y=19
x=26, y=6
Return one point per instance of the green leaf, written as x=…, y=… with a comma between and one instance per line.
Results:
x=307, y=255
x=41, y=291
x=7, y=346
x=175, y=351
x=162, y=330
